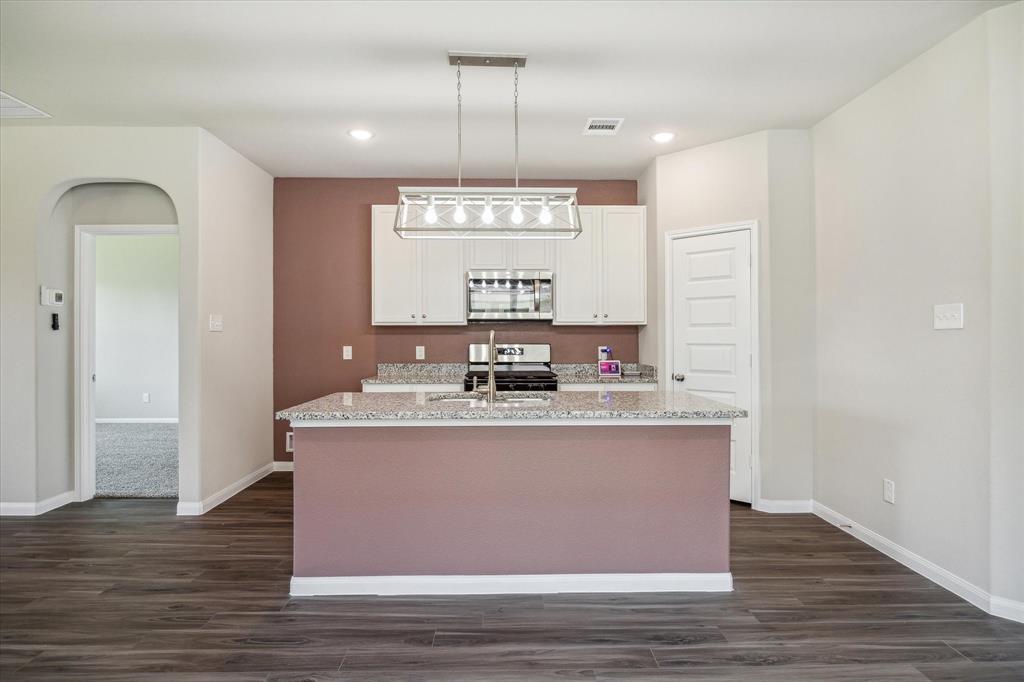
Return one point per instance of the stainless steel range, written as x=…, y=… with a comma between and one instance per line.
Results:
x=517, y=367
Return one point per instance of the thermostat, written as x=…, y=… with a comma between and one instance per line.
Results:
x=52, y=297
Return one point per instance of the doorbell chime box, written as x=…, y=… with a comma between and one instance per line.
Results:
x=50, y=297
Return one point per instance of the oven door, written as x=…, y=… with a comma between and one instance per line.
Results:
x=521, y=295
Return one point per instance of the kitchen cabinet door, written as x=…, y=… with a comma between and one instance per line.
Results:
x=488, y=254
x=396, y=272
x=576, y=272
x=533, y=254
x=444, y=282
x=623, y=266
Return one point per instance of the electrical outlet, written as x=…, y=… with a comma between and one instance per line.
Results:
x=346, y=352
x=948, y=316
x=289, y=441
x=216, y=322
x=145, y=397
x=888, y=491
x=421, y=352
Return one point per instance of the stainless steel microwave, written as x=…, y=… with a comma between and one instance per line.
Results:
x=510, y=295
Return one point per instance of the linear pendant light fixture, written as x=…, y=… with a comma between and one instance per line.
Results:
x=487, y=212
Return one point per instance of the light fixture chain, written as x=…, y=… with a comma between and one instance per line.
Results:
x=458, y=89
x=515, y=107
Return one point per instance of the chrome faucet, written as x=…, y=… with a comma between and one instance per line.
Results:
x=492, y=389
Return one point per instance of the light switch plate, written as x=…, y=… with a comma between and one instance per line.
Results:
x=949, y=316
x=289, y=441
x=888, y=491
x=421, y=352
x=346, y=352
x=216, y=322
x=145, y=397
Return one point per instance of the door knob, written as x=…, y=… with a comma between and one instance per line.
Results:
x=679, y=377
x=424, y=316
x=595, y=316
x=606, y=315
x=413, y=316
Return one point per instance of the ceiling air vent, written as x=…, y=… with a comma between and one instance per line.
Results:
x=12, y=107
x=602, y=126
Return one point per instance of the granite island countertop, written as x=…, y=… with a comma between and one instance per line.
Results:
x=453, y=373
x=597, y=407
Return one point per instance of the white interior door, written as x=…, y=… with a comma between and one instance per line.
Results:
x=711, y=333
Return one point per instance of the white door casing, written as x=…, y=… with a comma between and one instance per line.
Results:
x=84, y=325
x=711, y=330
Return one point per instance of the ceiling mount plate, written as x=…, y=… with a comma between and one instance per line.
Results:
x=486, y=58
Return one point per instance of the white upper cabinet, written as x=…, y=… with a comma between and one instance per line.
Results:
x=576, y=273
x=488, y=254
x=624, y=264
x=415, y=281
x=510, y=254
x=601, y=276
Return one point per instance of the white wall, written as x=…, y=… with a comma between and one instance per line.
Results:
x=918, y=192
x=136, y=326
x=764, y=176
x=1006, y=191
x=231, y=235
x=237, y=267
x=98, y=203
x=37, y=166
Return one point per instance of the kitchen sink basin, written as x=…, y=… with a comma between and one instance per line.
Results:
x=471, y=399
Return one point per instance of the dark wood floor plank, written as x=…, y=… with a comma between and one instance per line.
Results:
x=120, y=590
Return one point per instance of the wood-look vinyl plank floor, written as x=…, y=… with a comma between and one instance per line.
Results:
x=124, y=590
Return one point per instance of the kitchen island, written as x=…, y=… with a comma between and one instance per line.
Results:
x=417, y=493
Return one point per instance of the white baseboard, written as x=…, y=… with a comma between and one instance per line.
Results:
x=997, y=606
x=784, y=506
x=511, y=584
x=36, y=508
x=1007, y=608
x=137, y=420
x=200, y=508
x=284, y=466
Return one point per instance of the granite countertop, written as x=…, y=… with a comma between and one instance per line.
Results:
x=609, y=405
x=453, y=373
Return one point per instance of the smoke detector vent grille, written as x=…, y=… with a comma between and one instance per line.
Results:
x=602, y=126
x=12, y=107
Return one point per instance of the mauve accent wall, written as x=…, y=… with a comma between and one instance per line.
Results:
x=322, y=301
x=500, y=500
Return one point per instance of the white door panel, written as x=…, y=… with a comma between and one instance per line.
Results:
x=576, y=273
x=444, y=284
x=624, y=263
x=712, y=333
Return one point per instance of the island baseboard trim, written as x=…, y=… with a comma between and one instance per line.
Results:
x=510, y=584
x=371, y=423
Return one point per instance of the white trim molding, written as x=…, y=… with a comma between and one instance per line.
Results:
x=1007, y=608
x=284, y=466
x=136, y=420
x=997, y=606
x=37, y=508
x=784, y=506
x=222, y=495
x=511, y=584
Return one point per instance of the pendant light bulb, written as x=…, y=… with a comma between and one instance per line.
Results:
x=460, y=213
x=430, y=216
x=545, y=213
x=487, y=217
x=517, y=214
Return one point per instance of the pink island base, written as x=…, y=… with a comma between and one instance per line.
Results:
x=476, y=509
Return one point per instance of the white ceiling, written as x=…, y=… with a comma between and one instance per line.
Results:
x=283, y=82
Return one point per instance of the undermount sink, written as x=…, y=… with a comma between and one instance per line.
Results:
x=510, y=399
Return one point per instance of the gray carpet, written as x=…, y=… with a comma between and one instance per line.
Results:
x=136, y=460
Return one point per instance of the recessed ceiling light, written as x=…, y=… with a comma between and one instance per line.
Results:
x=360, y=134
x=662, y=138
